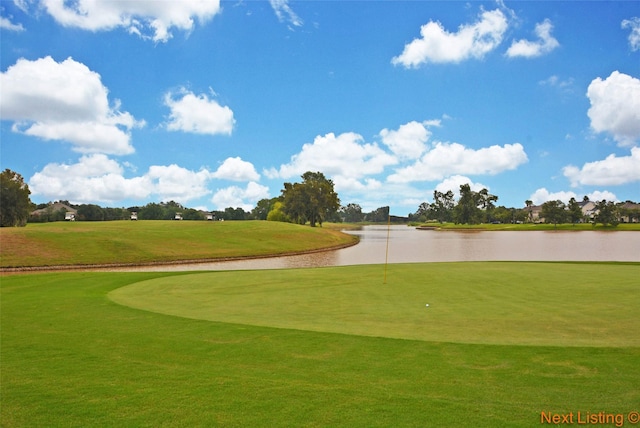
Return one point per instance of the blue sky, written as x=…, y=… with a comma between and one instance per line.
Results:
x=217, y=104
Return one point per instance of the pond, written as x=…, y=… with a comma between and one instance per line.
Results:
x=409, y=245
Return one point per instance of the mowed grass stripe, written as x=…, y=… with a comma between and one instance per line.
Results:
x=131, y=242
x=576, y=304
x=71, y=357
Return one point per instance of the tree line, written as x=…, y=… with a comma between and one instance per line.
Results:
x=313, y=201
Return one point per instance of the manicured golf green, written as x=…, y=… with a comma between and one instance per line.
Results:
x=136, y=242
x=575, y=304
x=71, y=356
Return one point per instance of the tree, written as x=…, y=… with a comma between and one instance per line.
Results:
x=529, y=205
x=277, y=213
x=607, y=213
x=442, y=207
x=90, y=212
x=15, y=204
x=553, y=212
x=313, y=200
x=379, y=215
x=262, y=209
x=151, y=211
x=467, y=211
x=575, y=211
x=352, y=213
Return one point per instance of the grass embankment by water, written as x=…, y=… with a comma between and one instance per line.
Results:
x=578, y=227
x=130, y=242
x=322, y=347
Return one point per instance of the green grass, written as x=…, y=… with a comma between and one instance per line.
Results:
x=71, y=356
x=536, y=226
x=127, y=242
x=564, y=304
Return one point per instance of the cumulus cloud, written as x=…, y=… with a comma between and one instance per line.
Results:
x=238, y=197
x=148, y=19
x=94, y=178
x=176, y=183
x=285, y=13
x=615, y=107
x=634, y=37
x=97, y=178
x=446, y=159
x=454, y=182
x=408, y=141
x=6, y=24
x=528, y=49
x=235, y=169
x=65, y=101
x=345, y=158
x=437, y=45
x=542, y=195
x=198, y=114
x=612, y=171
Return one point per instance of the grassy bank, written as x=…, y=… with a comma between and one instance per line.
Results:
x=127, y=242
x=532, y=226
x=71, y=356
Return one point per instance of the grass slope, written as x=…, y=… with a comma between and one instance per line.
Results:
x=127, y=242
x=73, y=357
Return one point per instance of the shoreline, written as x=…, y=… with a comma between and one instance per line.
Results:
x=90, y=267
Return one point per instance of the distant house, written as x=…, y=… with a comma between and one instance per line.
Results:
x=209, y=216
x=134, y=215
x=178, y=216
x=533, y=213
x=630, y=212
x=69, y=216
x=52, y=208
x=589, y=210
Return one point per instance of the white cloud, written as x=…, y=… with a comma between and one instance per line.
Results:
x=345, y=155
x=285, y=13
x=437, y=45
x=612, y=171
x=542, y=195
x=634, y=37
x=408, y=142
x=554, y=81
x=237, y=197
x=6, y=24
x=198, y=114
x=65, y=101
x=600, y=195
x=447, y=159
x=235, y=169
x=454, y=182
x=137, y=17
x=97, y=178
x=528, y=49
x=23, y=5
x=615, y=107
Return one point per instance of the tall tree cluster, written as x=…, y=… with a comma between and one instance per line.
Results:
x=314, y=200
x=15, y=204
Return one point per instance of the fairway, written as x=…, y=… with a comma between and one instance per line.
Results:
x=561, y=304
x=321, y=347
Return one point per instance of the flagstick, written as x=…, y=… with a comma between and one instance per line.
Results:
x=386, y=256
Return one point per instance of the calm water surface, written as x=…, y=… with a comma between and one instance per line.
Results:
x=409, y=245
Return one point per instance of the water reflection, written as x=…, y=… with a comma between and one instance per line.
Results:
x=408, y=245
